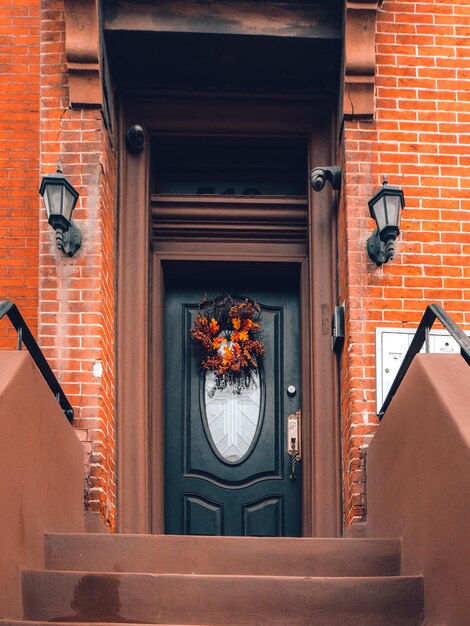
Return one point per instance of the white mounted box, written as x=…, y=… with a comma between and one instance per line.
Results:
x=390, y=349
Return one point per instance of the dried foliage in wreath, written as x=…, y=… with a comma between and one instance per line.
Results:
x=225, y=335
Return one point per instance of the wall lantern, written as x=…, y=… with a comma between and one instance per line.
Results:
x=60, y=199
x=385, y=208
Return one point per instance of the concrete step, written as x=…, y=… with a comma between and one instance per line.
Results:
x=223, y=555
x=222, y=600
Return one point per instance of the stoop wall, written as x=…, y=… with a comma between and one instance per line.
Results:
x=419, y=138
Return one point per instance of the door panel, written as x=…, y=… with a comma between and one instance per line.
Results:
x=206, y=493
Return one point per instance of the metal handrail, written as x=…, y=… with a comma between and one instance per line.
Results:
x=433, y=312
x=25, y=337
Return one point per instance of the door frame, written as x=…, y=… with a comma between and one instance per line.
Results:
x=140, y=293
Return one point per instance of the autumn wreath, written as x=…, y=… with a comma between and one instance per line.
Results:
x=225, y=334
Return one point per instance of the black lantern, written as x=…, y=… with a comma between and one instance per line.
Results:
x=385, y=208
x=60, y=199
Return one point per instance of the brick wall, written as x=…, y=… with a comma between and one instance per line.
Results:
x=76, y=295
x=420, y=139
x=19, y=159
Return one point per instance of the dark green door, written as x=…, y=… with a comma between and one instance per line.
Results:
x=227, y=470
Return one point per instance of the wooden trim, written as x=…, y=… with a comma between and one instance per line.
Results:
x=269, y=256
x=82, y=48
x=131, y=92
x=307, y=425
x=156, y=450
x=184, y=113
x=133, y=332
x=321, y=465
x=238, y=18
x=210, y=218
x=231, y=251
x=326, y=477
x=157, y=199
x=359, y=59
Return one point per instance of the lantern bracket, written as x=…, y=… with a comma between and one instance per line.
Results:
x=69, y=240
x=331, y=173
x=380, y=247
x=375, y=249
x=135, y=139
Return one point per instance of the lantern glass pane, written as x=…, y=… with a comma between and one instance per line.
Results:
x=53, y=199
x=68, y=204
x=378, y=211
x=393, y=210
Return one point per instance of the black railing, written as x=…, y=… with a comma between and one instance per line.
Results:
x=25, y=337
x=433, y=312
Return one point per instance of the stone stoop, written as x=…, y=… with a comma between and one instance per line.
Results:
x=229, y=581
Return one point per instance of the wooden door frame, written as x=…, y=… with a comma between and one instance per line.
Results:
x=141, y=292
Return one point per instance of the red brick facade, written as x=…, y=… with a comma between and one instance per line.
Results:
x=76, y=295
x=419, y=139
x=19, y=158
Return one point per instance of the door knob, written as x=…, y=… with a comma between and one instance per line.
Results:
x=293, y=441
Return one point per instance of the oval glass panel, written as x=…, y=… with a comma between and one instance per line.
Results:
x=232, y=417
